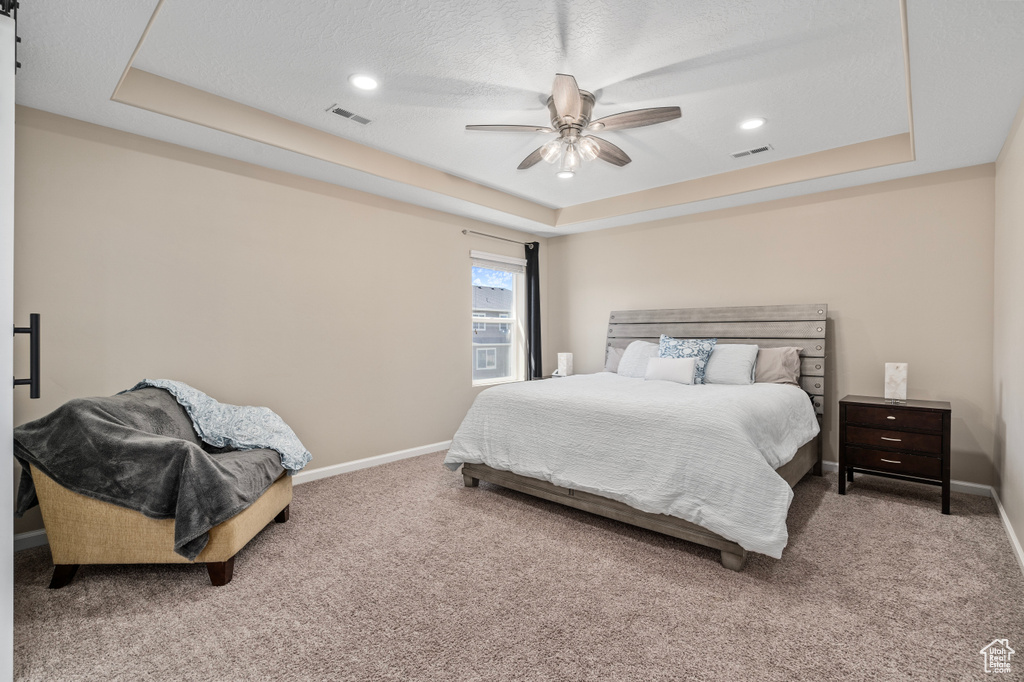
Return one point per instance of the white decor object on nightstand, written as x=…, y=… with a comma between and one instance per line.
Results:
x=564, y=364
x=896, y=382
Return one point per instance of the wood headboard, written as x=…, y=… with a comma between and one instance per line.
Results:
x=767, y=326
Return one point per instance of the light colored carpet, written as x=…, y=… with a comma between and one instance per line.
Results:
x=400, y=573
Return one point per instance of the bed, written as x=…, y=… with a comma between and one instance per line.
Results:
x=728, y=476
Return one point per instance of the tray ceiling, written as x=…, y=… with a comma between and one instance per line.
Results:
x=824, y=75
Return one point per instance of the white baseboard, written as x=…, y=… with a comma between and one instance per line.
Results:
x=33, y=538
x=36, y=538
x=957, y=486
x=377, y=460
x=1018, y=551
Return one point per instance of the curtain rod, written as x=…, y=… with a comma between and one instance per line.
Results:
x=483, y=234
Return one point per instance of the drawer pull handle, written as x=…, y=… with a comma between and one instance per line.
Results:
x=892, y=461
x=894, y=440
x=817, y=367
x=890, y=417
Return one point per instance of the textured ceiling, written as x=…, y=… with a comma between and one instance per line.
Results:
x=824, y=74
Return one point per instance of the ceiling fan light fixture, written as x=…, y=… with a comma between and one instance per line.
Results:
x=551, y=150
x=571, y=158
x=570, y=109
x=362, y=81
x=752, y=123
x=589, y=149
x=570, y=161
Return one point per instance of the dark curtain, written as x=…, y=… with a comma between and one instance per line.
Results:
x=534, y=366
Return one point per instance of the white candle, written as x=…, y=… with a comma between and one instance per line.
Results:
x=564, y=364
x=896, y=381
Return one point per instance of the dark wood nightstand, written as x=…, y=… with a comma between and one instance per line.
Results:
x=908, y=441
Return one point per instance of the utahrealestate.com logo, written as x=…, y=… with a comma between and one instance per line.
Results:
x=997, y=656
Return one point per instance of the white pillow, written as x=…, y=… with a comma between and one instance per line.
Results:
x=731, y=363
x=634, y=360
x=679, y=370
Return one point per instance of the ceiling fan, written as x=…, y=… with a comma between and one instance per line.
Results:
x=570, y=110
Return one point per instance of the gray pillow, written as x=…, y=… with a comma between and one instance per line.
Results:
x=731, y=363
x=611, y=364
x=634, y=360
x=778, y=366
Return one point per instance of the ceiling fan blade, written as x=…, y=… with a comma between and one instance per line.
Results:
x=531, y=160
x=608, y=152
x=512, y=129
x=636, y=119
x=566, y=96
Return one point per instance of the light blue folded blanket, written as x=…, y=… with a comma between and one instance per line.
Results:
x=235, y=426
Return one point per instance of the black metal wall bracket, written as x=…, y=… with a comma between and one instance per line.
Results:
x=9, y=8
x=33, y=339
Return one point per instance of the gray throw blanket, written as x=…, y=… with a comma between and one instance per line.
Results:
x=240, y=427
x=139, y=450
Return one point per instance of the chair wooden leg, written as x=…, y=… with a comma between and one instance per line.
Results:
x=221, y=571
x=62, y=575
x=283, y=516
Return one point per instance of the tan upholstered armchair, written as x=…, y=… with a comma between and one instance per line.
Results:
x=83, y=530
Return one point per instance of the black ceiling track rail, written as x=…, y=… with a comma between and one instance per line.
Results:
x=9, y=8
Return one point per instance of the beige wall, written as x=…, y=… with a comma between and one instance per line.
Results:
x=905, y=267
x=346, y=313
x=1009, y=323
x=151, y=260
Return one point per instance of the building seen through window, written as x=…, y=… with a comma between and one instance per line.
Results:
x=494, y=298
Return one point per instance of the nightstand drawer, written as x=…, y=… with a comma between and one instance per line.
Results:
x=904, y=440
x=894, y=418
x=895, y=462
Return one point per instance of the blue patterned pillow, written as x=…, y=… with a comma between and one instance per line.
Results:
x=688, y=348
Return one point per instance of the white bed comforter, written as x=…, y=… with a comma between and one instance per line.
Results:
x=704, y=453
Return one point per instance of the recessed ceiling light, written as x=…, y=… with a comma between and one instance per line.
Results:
x=565, y=174
x=362, y=81
x=752, y=123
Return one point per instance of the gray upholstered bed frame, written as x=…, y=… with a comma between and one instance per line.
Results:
x=803, y=326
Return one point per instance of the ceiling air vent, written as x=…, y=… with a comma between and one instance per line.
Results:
x=749, y=152
x=335, y=109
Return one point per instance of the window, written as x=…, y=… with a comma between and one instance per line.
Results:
x=486, y=358
x=499, y=340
